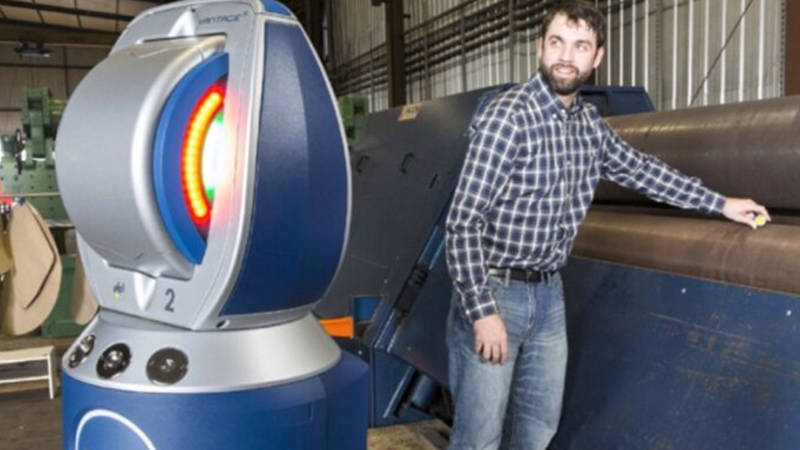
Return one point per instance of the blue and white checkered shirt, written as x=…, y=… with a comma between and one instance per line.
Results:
x=528, y=178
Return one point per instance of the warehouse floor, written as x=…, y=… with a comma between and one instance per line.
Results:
x=29, y=420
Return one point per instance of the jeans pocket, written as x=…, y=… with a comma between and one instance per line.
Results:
x=557, y=289
x=504, y=295
x=495, y=285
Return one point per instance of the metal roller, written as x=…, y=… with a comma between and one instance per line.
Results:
x=666, y=210
x=749, y=149
x=711, y=249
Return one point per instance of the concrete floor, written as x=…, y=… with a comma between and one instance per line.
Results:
x=428, y=435
x=29, y=420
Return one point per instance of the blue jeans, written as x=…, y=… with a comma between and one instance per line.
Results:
x=516, y=405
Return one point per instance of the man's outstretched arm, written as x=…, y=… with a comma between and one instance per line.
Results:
x=656, y=179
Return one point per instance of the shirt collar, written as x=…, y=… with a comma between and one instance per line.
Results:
x=543, y=97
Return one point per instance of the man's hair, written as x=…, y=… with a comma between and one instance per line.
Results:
x=576, y=10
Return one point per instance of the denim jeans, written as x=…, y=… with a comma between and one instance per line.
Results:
x=516, y=405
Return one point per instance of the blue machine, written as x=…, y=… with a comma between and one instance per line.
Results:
x=404, y=172
x=618, y=100
x=205, y=169
x=682, y=329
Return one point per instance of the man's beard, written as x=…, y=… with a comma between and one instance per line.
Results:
x=563, y=87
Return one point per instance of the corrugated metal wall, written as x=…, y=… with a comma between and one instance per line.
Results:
x=697, y=52
x=61, y=72
x=685, y=52
x=357, y=27
x=700, y=52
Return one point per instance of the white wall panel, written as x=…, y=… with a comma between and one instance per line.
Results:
x=687, y=62
x=684, y=52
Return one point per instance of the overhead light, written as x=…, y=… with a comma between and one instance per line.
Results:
x=33, y=49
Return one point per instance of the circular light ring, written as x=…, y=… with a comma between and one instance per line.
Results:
x=179, y=113
x=194, y=188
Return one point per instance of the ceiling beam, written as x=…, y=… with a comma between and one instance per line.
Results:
x=80, y=25
x=395, y=39
x=313, y=23
x=39, y=12
x=14, y=30
x=39, y=7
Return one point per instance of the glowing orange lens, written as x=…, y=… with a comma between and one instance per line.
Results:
x=192, y=156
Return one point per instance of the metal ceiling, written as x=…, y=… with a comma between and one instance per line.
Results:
x=81, y=21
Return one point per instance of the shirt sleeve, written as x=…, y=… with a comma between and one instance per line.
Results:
x=493, y=145
x=648, y=175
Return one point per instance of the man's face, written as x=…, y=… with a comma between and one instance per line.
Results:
x=568, y=54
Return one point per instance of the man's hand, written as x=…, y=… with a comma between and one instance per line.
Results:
x=746, y=211
x=491, y=340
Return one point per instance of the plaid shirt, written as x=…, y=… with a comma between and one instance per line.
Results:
x=528, y=178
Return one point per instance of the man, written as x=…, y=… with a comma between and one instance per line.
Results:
x=536, y=154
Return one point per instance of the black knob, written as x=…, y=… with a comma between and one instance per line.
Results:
x=167, y=366
x=113, y=361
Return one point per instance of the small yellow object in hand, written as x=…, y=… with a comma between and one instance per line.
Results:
x=761, y=220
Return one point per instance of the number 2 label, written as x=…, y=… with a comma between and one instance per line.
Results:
x=170, y=299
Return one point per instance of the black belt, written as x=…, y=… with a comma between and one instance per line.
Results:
x=526, y=275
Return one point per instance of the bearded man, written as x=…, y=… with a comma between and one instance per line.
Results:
x=536, y=154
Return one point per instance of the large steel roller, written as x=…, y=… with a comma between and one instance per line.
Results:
x=747, y=149
x=711, y=249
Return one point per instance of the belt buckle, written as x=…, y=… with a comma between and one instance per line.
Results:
x=528, y=274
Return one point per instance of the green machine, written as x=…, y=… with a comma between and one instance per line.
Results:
x=27, y=166
x=27, y=169
x=354, y=110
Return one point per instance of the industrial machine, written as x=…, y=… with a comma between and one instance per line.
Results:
x=405, y=164
x=27, y=165
x=216, y=217
x=27, y=170
x=683, y=328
